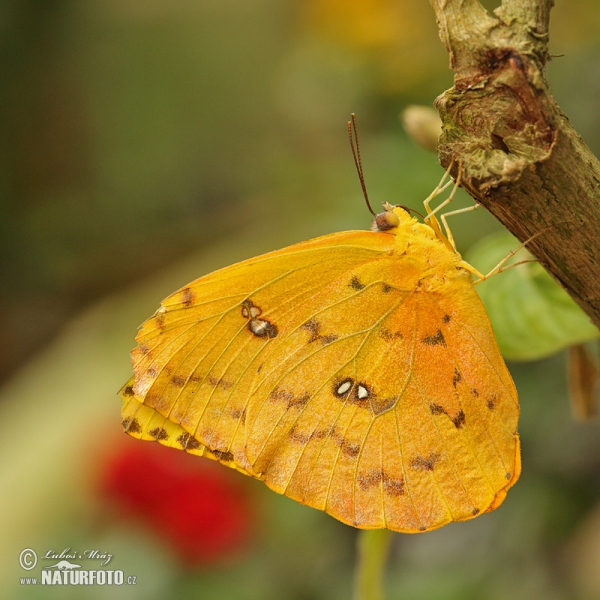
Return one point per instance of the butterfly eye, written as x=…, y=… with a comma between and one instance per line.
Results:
x=386, y=220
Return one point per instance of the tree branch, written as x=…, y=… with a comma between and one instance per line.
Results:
x=521, y=158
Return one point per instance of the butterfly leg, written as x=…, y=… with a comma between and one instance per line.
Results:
x=439, y=189
x=499, y=268
x=430, y=219
x=431, y=213
x=449, y=214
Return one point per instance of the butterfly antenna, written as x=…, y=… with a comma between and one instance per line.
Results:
x=409, y=210
x=352, y=129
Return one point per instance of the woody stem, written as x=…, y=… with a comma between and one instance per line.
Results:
x=521, y=158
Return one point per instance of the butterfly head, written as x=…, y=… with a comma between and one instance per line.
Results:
x=391, y=217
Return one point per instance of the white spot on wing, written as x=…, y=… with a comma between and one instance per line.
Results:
x=344, y=387
x=258, y=327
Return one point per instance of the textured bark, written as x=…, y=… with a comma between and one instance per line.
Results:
x=521, y=159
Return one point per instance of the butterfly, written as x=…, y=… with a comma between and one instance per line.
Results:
x=356, y=373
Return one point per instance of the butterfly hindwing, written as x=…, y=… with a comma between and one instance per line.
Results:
x=144, y=423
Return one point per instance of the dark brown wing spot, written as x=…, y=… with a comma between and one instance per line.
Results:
x=491, y=403
x=223, y=383
x=315, y=333
x=420, y=463
x=160, y=322
x=446, y=319
x=299, y=438
x=158, y=433
x=475, y=393
x=239, y=413
x=327, y=339
x=370, y=479
x=188, y=442
x=128, y=391
x=392, y=487
x=303, y=438
x=356, y=284
x=187, y=297
x=437, y=339
x=279, y=395
x=143, y=349
x=223, y=456
x=178, y=380
x=390, y=336
x=131, y=425
x=457, y=377
x=386, y=288
x=507, y=475
x=459, y=419
x=152, y=372
x=475, y=511
x=314, y=327
x=348, y=448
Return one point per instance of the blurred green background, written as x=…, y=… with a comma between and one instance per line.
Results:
x=146, y=143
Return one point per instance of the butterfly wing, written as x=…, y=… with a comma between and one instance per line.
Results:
x=198, y=355
x=144, y=423
x=327, y=370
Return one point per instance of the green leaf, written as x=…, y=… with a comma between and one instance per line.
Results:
x=532, y=315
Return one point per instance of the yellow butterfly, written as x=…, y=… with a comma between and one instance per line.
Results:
x=356, y=373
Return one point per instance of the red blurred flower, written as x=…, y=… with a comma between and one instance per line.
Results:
x=199, y=507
